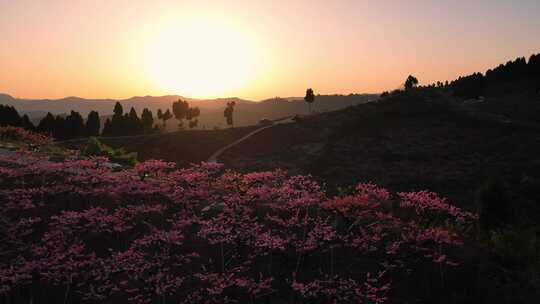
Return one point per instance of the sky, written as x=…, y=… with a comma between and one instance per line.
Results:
x=252, y=49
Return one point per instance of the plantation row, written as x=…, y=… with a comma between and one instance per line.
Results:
x=77, y=231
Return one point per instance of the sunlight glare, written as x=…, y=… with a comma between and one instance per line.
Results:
x=200, y=58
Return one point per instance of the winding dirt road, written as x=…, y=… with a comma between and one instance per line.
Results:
x=214, y=157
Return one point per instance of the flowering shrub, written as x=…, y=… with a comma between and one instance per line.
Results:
x=96, y=148
x=19, y=134
x=156, y=233
x=429, y=205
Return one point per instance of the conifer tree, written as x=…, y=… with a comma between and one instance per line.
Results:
x=92, y=124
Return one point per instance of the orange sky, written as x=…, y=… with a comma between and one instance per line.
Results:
x=252, y=49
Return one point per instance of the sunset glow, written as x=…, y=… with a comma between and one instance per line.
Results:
x=200, y=57
x=269, y=151
x=252, y=49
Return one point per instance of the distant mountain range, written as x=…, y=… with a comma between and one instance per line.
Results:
x=246, y=112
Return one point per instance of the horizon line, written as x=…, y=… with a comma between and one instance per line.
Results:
x=178, y=96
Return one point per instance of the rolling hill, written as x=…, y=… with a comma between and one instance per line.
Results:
x=246, y=112
x=418, y=140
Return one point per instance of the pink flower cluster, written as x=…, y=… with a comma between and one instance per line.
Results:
x=427, y=203
x=19, y=134
x=155, y=233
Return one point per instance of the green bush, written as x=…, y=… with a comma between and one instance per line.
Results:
x=96, y=148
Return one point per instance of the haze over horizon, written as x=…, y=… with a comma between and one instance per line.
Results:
x=252, y=49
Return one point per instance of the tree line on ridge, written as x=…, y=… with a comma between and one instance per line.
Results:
x=476, y=84
x=73, y=125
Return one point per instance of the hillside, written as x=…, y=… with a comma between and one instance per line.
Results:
x=420, y=140
x=182, y=147
x=246, y=112
x=76, y=230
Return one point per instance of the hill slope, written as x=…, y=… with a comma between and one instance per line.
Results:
x=409, y=141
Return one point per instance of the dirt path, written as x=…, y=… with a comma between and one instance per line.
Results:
x=215, y=155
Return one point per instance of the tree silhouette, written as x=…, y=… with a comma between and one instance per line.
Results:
x=160, y=116
x=124, y=123
x=59, y=128
x=92, y=124
x=166, y=116
x=26, y=123
x=192, y=115
x=118, y=121
x=533, y=66
x=411, y=82
x=510, y=71
x=107, y=128
x=118, y=109
x=309, y=98
x=228, y=113
x=180, y=110
x=46, y=124
x=147, y=120
x=134, y=125
x=73, y=126
x=9, y=116
x=471, y=86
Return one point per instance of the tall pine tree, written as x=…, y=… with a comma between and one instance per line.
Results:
x=92, y=124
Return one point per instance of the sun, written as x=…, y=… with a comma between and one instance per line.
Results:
x=201, y=57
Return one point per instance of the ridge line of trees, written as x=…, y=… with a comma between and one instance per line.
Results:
x=129, y=123
x=73, y=125
x=475, y=84
x=10, y=117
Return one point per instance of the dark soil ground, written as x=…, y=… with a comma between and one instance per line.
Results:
x=182, y=147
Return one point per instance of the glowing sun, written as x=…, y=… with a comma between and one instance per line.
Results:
x=200, y=58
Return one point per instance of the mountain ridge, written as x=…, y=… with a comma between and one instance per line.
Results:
x=247, y=112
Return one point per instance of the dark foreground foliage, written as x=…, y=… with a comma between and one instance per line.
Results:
x=77, y=231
